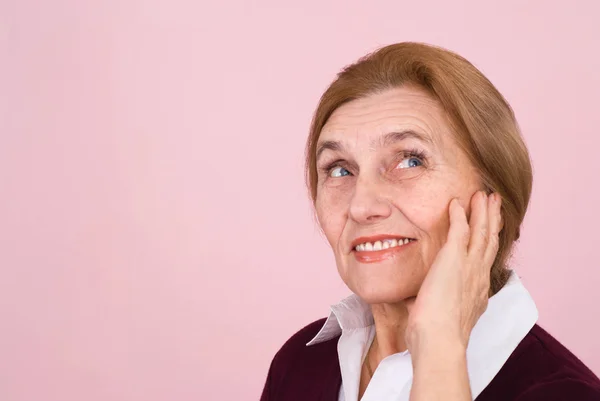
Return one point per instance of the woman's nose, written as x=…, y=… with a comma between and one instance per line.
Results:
x=369, y=203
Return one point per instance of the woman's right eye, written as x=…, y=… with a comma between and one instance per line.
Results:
x=338, y=171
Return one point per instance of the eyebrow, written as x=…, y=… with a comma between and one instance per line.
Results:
x=384, y=141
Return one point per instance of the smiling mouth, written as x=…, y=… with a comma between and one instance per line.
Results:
x=382, y=244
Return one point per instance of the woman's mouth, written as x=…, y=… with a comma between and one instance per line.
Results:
x=376, y=251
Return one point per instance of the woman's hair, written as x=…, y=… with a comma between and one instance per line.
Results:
x=483, y=123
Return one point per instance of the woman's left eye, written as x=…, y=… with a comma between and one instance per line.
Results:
x=409, y=162
x=338, y=171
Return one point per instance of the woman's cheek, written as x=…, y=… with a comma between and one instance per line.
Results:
x=426, y=209
x=336, y=193
x=331, y=210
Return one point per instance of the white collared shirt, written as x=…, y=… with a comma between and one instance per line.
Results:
x=509, y=316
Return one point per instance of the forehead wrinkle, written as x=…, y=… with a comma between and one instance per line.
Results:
x=426, y=117
x=394, y=136
x=390, y=133
x=359, y=107
x=382, y=111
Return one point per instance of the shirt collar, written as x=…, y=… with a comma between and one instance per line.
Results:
x=350, y=313
x=510, y=315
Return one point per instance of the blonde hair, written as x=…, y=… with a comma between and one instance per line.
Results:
x=482, y=120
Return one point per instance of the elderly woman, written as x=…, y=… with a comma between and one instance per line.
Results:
x=420, y=181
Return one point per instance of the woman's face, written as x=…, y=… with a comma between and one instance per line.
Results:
x=388, y=167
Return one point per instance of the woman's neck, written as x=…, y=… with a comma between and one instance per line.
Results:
x=390, y=326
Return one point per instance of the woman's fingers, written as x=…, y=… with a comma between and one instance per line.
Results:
x=479, y=225
x=459, y=227
x=495, y=225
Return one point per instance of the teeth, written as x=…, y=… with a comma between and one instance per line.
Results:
x=379, y=245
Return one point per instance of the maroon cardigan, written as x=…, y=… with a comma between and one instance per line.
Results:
x=539, y=369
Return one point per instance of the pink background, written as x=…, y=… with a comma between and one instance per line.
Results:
x=156, y=242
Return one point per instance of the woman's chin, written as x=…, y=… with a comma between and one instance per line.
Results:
x=385, y=291
x=385, y=282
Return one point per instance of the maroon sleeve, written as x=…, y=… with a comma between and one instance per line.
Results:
x=562, y=390
x=294, y=365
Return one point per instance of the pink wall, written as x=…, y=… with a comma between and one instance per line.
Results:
x=156, y=242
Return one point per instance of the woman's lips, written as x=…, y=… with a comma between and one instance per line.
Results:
x=378, y=256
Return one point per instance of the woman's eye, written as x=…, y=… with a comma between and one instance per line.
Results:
x=338, y=172
x=409, y=162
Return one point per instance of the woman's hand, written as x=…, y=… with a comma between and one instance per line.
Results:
x=455, y=291
x=451, y=299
